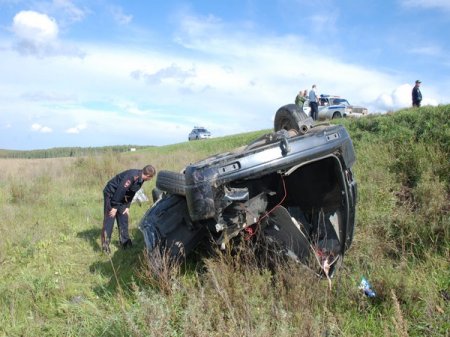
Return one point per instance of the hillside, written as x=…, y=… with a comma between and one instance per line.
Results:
x=67, y=151
x=55, y=281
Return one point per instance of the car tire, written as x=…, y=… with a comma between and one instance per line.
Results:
x=336, y=115
x=290, y=117
x=171, y=182
x=167, y=226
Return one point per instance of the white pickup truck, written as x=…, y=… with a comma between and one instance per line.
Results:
x=335, y=107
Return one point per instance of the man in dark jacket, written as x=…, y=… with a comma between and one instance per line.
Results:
x=118, y=194
x=416, y=95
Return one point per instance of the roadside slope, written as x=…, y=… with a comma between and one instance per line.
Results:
x=54, y=280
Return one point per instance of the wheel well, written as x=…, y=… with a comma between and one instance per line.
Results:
x=336, y=114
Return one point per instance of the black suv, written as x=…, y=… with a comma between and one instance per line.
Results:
x=294, y=186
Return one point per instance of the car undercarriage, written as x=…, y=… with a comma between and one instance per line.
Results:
x=294, y=187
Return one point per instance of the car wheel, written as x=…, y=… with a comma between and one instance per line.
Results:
x=336, y=115
x=291, y=117
x=167, y=226
x=171, y=182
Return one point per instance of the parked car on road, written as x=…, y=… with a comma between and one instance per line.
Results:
x=331, y=107
x=294, y=187
x=199, y=132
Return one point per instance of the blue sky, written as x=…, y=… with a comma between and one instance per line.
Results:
x=95, y=73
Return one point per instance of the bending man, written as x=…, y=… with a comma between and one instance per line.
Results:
x=118, y=194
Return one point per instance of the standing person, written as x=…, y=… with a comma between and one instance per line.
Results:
x=313, y=99
x=416, y=95
x=118, y=194
x=300, y=98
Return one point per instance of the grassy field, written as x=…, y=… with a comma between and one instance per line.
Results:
x=55, y=281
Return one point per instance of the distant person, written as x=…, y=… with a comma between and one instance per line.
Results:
x=416, y=95
x=118, y=194
x=313, y=100
x=300, y=98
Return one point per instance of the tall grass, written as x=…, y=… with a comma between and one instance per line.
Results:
x=55, y=281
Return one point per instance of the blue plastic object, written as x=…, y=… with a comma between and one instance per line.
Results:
x=366, y=288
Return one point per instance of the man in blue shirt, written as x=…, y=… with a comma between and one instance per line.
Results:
x=313, y=99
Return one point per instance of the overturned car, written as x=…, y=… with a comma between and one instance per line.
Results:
x=294, y=186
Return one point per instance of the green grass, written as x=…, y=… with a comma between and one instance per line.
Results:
x=54, y=280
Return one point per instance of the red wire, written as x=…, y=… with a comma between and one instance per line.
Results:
x=284, y=197
x=249, y=230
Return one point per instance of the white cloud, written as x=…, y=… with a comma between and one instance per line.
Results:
x=46, y=129
x=77, y=129
x=427, y=50
x=384, y=102
x=41, y=96
x=131, y=108
x=36, y=127
x=170, y=73
x=172, y=88
x=323, y=23
x=229, y=89
x=119, y=16
x=72, y=12
x=37, y=34
x=400, y=97
x=35, y=27
x=40, y=128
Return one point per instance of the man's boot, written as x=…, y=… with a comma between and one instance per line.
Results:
x=105, y=247
x=127, y=244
